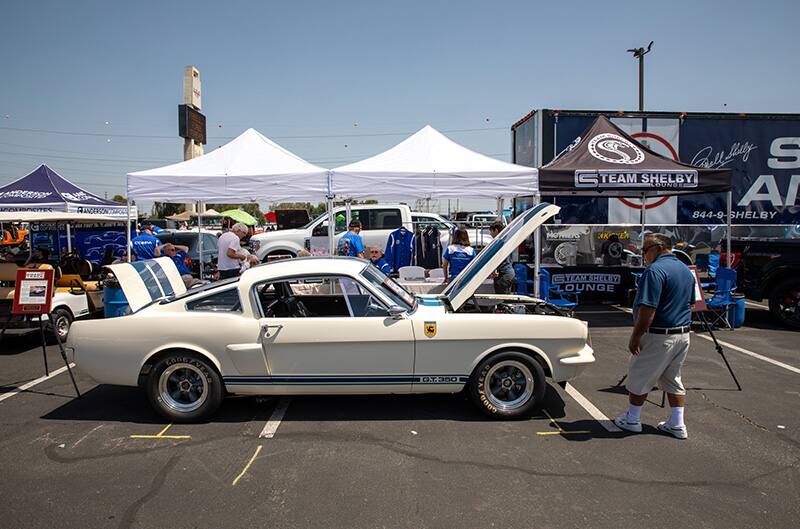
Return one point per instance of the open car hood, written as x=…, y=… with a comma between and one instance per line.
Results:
x=465, y=284
x=145, y=281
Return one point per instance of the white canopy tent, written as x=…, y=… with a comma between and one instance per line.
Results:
x=430, y=165
x=249, y=168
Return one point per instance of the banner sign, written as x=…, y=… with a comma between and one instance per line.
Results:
x=765, y=158
x=33, y=292
x=612, y=179
x=764, y=155
x=593, y=283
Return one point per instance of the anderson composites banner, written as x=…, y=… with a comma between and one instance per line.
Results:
x=764, y=155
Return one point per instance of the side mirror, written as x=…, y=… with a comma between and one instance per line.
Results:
x=396, y=311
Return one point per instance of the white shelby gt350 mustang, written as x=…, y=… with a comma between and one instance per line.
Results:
x=330, y=325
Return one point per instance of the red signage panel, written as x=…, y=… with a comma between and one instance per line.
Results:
x=33, y=292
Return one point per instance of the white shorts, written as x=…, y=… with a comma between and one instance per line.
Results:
x=660, y=359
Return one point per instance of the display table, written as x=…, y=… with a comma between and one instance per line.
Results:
x=434, y=287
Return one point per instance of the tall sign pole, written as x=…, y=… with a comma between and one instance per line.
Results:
x=639, y=53
x=187, y=120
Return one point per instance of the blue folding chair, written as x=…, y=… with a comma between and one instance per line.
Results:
x=722, y=299
x=566, y=301
x=524, y=285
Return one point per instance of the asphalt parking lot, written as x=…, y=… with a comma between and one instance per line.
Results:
x=107, y=460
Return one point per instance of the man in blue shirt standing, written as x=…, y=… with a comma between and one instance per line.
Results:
x=146, y=245
x=660, y=337
x=350, y=244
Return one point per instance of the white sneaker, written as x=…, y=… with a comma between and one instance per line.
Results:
x=678, y=432
x=628, y=424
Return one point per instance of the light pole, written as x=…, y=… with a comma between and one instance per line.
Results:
x=639, y=53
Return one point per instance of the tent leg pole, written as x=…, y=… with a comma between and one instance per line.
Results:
x=643, y=218
x=537, y=245
x=331, y=227
x=128, y=227
x=331, y=222
x=69, y=239
x=728, y=232
x=348, y=212
x=200, y=238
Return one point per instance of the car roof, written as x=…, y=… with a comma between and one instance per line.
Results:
x=303, y=266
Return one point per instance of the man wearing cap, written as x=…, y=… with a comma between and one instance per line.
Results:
x=350, y=243
x=660, y=337
x=230, y=257
x=146, y=245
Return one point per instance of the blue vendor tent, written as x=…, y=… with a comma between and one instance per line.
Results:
x=46, y=190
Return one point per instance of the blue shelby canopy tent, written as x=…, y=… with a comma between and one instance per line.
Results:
x=46, y=190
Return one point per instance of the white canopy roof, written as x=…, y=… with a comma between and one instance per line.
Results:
x=428, y=164
x=249, y=168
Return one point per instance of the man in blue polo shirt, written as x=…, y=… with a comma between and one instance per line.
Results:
x=146, y=245
x=660, y=337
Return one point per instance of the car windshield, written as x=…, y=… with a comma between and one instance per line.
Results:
x=389, y=287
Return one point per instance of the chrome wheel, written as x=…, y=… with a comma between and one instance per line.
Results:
x=509, y=385
x=62, y=327
x=183, y=387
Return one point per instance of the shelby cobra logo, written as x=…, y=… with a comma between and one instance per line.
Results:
x=616, y=148
x=430, y=329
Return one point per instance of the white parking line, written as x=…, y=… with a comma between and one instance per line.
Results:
x=277, y=416
x=598, y=415
x=32, y=383
x=750, y=353
x=737, y=348
x=754, y=304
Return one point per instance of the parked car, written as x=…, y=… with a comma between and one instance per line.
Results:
x=770, y=269
x=189, y=238
x=377, y=221
x=330, y=325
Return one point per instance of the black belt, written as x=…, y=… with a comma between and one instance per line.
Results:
x=669, y=330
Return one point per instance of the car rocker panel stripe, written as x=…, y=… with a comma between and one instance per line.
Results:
x=344, y=380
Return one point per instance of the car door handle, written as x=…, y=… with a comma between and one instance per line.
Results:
x=266, y=328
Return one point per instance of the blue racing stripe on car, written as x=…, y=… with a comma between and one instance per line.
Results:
x=345, y=379
x=161, y=277
x=149, y=279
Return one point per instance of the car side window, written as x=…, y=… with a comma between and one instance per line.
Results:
x=317, y=297
x=225, y=301
x=421, y=221
x=385, y=219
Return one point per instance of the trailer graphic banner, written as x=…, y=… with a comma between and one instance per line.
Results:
x=764, y=155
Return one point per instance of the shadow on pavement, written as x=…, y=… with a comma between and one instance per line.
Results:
x=422, y=407
x=130, y=405
x=603, y=316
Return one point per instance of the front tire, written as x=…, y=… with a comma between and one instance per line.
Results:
x=61, y=323
x=184, y=387
x=507, y=385
x=784, y=303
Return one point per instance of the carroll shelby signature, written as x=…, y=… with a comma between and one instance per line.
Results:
x=706, y=157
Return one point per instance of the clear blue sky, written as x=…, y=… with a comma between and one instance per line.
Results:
x=301, y=68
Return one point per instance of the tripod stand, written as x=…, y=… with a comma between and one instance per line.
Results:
x=718, y=348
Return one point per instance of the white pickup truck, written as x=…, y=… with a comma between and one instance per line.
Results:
x=377, y=220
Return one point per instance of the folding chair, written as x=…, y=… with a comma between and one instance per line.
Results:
x=524, y=285
x=411, y=273
x=722, y=299
x=554, y=295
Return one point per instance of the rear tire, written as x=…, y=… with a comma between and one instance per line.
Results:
x=184, y=387
x=507, y=385
x=784, y=303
